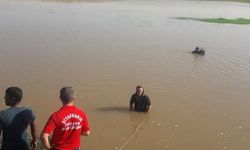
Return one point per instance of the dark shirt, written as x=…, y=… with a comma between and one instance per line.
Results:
x=14, y=122
x=141, y=103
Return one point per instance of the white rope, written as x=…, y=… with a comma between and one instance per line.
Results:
x=132, y=136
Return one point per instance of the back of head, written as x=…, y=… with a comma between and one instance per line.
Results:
x=67, y=94
x=13, y=95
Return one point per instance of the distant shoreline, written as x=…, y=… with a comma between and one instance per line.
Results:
x=238, y=21
x=246, y=1
x=99, y=1
x=242, y=1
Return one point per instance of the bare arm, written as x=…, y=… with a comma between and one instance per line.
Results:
x=45, y=140
x=87, y=133
x=131, y=107
x=148, y=108
x=33, y=143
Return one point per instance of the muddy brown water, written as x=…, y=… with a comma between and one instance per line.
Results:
x=105, y=49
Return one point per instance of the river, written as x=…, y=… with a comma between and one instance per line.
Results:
x=104, y=49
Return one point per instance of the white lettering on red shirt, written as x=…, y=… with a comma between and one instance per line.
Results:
x=71, y=125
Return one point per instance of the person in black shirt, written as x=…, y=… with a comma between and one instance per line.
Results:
x=139, y=101
x=14, y=122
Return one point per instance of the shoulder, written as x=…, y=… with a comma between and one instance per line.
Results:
x=27, y=112
x=27, y=109
x=54, y=116
x=56, y=113
x=60, y=111
x=133, y=95
x=2, y=113
x=7, y=112
x=79, y=110
x=146, y=97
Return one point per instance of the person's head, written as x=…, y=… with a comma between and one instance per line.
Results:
x=67, y=95
x=139, y=90
x=13, y=96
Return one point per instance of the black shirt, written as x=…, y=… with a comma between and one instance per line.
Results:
x=14, y=122
x=141, y=103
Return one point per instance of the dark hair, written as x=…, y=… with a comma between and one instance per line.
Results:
x=14, y=92
x=67, y=94
x=139, y=86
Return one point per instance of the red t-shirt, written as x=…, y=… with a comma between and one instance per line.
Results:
x=67, y=124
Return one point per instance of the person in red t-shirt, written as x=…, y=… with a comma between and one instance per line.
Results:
x=67, y=124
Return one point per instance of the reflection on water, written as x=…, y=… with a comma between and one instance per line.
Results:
x=106, y=49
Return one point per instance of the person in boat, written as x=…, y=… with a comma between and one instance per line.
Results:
x=199, y=50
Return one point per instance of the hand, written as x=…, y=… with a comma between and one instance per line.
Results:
x=33, y=144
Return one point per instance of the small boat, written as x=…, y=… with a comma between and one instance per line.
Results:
x=199, y=50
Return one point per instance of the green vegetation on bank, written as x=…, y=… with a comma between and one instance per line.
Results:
x=245, y=1
x=242, y=1
x=71, y=1
x=239, y=21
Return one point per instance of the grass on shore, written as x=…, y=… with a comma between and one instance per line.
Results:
x=71, y=1
x=239, y=21
x=240, y=1
x=245, y=1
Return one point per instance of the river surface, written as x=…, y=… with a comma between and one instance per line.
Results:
x=105, y=49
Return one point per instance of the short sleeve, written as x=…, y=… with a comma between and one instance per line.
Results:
x=85, y=124
x=28, y=115
x=148, y=100
x=33, y=116
x=50, y=125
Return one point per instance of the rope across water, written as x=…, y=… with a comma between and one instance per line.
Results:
x=132, y=136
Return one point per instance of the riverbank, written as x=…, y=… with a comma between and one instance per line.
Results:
x=70, y=1
x=239, y=21
x=244, y=1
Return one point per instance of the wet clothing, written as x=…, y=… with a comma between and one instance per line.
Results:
x=14, y=122
x=140, y=103
x=67, y=124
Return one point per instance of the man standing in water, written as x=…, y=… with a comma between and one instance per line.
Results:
x=14, y=122
x=67, y=124
x=139, y=101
